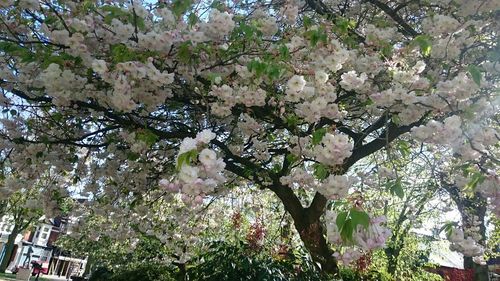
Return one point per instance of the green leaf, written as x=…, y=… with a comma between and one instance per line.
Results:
x=273, y=71
x=475, y=73
x=307, y=22
x=114, y=12
x=57, y=116
x=291, y=158
x=347, y=231
x=467, y=169
x=276, y=168
x=342, y=25
x=218, y=5
x=404, y=148
x=387, y=50
x=141, y=25
x=44, y=139
x=341, y=218
x=348, y=221
x=292, y=120
x=179, y=7
x=184, y=52
x=14, y=49
x=193, y=19
x=132, y=156
x=147, y=137
x=359, y=218
x=396, y=188
x=315, y=36
x=447, y=227
x=247, y=30
x=424, y=42
x=344, y=224
x=320, y=171
x=212, y=76
x=318, y=135
x=248, y=173
x=186, y=158
x=120, y=53
x=258, y=67
x=61, y=59
x=284, y=52
x=49, y=20
x=10, y=47
x=476, y=179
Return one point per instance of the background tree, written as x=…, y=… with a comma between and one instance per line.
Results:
x=402, y=186
x=22, y=212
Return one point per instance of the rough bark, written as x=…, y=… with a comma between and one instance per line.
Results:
x=9, y=246
x=309, y=227
x=318, y=247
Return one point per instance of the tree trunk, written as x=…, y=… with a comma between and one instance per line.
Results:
x=308, y=224
x=480, y=271
x=312, y=234
x=392, y=255
x=8, y=251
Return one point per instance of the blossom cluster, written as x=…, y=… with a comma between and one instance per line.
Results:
x=228, y=97
x=197, y=177
x=61, y=84
x=335, y=187
x=333, y=149
x=219, y=25
x=447, y=132
x=490, y=188
x=314, y=100
x=465, y=245
x=299, y=178
x=365, y=239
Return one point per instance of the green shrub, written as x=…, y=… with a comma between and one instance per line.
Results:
x=348, y=274
x=101, y=274
x=235, y=262
x=238, y=262
x=143, y=272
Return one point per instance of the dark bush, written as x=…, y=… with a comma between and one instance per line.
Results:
x=234, y=262
x=347, y=274
x=101, y=274
x=143, y=272
x=239, y=262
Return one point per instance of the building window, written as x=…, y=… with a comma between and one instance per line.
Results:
x=44, y=235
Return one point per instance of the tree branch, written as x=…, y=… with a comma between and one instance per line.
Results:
x=405, y=28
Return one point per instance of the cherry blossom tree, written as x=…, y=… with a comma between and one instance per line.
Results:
x=133, y=103
x=22, y=211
